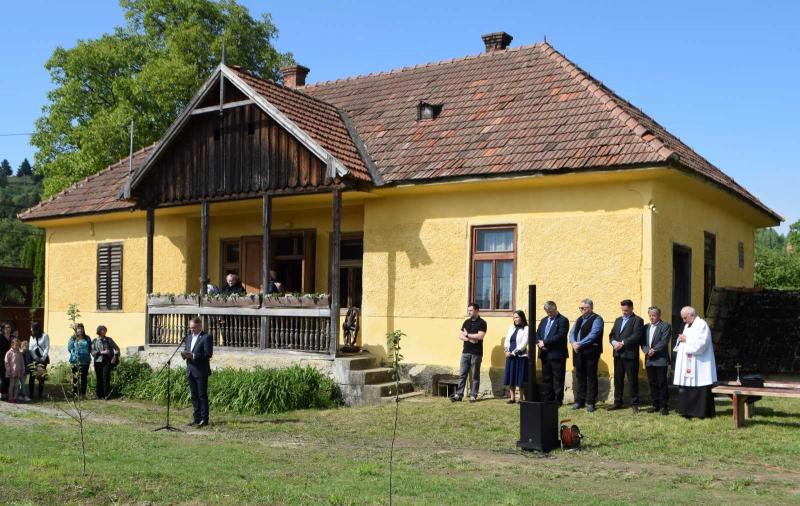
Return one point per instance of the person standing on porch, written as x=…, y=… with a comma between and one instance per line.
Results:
x=551, y=339
x=197, y=353
x=695, y=367
x=516, y=348
x=587, y=346
x=472, y=333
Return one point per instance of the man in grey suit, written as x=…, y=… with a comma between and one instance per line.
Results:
x=657, y=335
x=626, y=337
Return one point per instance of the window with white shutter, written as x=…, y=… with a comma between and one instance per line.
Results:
x=109, y=276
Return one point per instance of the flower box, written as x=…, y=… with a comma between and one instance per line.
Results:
x=172, y=300
x=247, y=301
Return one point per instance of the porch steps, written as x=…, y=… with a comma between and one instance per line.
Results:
x=402, y=397
x=363, y=382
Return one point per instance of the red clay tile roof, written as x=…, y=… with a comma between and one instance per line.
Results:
x=318, y=119
x=521, y=110
x=95, y=194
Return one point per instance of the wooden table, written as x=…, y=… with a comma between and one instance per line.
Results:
x=742, y=409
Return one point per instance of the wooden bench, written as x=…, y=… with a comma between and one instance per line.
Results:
x=744, y=407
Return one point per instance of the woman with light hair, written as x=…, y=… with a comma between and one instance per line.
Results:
x=695, y=367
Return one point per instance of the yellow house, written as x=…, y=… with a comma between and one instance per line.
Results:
x=406, y=193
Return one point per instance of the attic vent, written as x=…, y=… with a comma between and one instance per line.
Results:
x=426, y=111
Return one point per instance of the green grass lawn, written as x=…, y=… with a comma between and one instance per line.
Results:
x=445, y=454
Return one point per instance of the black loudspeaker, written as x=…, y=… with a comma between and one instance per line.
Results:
x=538, y=426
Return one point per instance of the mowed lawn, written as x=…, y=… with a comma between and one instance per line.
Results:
x=444, y=454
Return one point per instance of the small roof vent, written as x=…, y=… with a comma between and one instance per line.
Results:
x=428, y=111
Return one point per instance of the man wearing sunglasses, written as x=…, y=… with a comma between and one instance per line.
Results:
x=587, y=345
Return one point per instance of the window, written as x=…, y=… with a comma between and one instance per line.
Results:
x=350, y=269
x=109, y=276
x=709, y=267
x=426, y=111
x=230, y=259
x=741, y=255
x=493, y=267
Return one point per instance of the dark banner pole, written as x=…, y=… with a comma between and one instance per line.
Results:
x=532, y=393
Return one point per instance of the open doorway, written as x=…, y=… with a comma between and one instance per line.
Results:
x=681, y=283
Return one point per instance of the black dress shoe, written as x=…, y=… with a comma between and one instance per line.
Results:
x=578, y=405
x=203, y=423
x=614, y=407
x=664, y=411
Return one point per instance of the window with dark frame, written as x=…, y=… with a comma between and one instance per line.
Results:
x=109, y=276
x=709, y=266
x=230, y=259
x=493, y=267
x=741, y=255
x=351, y=258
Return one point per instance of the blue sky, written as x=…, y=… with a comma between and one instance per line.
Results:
x=722, y=76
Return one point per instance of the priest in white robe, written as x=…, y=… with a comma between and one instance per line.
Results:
x=695, y=367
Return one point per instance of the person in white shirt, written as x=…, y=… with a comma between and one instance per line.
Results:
x=695, y=367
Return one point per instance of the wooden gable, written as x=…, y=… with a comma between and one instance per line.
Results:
x=233, y=152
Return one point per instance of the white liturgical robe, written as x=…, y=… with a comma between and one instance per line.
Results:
x=695, y=365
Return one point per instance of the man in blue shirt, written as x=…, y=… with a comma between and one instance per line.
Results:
x=587, y=345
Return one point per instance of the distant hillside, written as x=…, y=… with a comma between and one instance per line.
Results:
x=18, y=194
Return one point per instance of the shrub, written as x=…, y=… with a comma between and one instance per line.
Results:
x=252, y=392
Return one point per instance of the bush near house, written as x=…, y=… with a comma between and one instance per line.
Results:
x=249, y=392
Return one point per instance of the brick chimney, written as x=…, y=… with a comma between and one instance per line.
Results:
x=295, y=76
x=496, y=41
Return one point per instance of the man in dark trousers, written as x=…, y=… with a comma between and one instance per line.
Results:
x=586, y=339
x=551, y=339
x=197, y=353
x=626, y=337
x=472, y=333
x=657, y=336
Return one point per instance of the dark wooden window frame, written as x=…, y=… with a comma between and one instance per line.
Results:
x=493, y=256
x=709, y=262
x=308, y=257
x=741, y=254
x=104, y=299
x=349, y=264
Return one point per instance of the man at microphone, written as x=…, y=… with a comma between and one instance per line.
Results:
x=197, y=353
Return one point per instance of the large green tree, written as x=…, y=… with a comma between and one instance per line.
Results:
x=145, y=71
x=778, y=266
x=5, y=168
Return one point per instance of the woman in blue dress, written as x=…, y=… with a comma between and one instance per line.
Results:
x=516, y=344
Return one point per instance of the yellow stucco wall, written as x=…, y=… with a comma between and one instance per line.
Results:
x=582, y=237
x=685, y=208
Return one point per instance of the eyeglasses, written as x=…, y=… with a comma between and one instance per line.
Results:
x=581, y=308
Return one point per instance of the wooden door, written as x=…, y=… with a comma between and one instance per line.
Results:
x=251, y=264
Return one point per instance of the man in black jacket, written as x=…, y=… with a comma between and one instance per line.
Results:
x=657, y=336
x=626, y=337
x=197, y=353
x=551, y=339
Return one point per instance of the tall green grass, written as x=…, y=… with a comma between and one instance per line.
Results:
x=251, y=392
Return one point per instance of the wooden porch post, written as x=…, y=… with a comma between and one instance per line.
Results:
x=204, y=208
x=266, y=223
x=334, y=281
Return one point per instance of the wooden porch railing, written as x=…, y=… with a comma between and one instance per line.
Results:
x=285, y=329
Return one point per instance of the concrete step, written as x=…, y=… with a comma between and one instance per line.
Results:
x=372, y=394
x=371, y=376
x=409, y=395
x=357, y=363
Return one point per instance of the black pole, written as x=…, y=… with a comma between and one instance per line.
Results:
x=168, y=366
x=533, y=394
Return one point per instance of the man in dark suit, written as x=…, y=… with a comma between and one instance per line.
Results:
x=197, y=353
x=551, y=339
x=586, y=338
x=626, y=336
x=657, y=336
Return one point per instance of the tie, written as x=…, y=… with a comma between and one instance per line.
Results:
x=547, y=328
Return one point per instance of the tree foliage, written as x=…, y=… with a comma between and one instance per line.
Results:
x=5, y=168
x=778, y=266
x=145, y=71
x=25, y=169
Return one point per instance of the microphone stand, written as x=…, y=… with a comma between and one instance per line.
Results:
x=167, y=427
